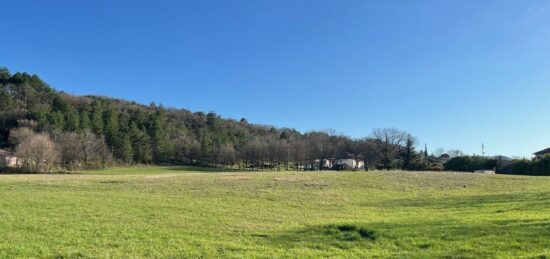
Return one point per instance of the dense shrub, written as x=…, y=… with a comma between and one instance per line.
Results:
x=530, y=167
x=469, y=163
x=521, y=167
x=541, y=166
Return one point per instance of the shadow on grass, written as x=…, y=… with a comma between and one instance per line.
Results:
x=342, y=236
x=420, y=237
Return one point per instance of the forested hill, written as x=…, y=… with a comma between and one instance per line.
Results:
x=136, y=133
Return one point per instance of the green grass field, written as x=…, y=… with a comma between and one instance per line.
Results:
x=176, y=212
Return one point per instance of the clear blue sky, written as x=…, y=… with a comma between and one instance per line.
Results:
x=453, y=73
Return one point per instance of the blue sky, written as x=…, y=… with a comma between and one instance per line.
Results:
x=453, y=73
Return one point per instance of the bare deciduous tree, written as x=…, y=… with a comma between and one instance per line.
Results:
x=226, y=155
x=320, y=146
x=27, y=123
x=438, y=152
x=82, y=150
x=94, y=150
x=38, y=153
x=368, y=151
x=186, y=148
x=299, y=153
x=71, y=149
x=255, y=152
x=389, y=140
x=18, y=135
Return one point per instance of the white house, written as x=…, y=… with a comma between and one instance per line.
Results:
x=327, y=164
x=8, y=159
x=484, y=171
x=350, y=163
x=542, y=153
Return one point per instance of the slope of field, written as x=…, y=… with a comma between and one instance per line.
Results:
x=172, y=212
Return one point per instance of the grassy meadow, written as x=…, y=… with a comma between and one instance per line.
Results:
x=182, y=212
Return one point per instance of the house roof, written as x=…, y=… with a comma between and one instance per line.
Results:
x=542, y=152
x=503, y=158
x=6, y=153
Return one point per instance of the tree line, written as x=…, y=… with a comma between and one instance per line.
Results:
x=94, y=131
x=531, y=167
x=50, y=130
x=517, y=166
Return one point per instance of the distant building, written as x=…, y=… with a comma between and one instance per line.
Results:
x=542, y=153
x=360, y=164
x=326, y=164
x=8, y=159
x=503, y=162
x=349, y=163
x=444, y=158
x=484, y=171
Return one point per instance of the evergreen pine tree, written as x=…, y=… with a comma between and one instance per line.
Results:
x=6, y=101
x=85, y=122
x=124, y=149
x=97, y=118
x=159, y=137
x=111, y=130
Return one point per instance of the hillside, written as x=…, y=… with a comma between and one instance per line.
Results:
x=134, y=133
x=152, y=134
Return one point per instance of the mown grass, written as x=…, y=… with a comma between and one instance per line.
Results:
x=175, y=212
